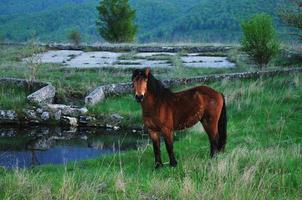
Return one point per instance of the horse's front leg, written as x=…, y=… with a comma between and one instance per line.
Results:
x=168, y=135
x=155, y=137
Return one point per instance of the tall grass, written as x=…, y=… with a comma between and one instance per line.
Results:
x=12, y=97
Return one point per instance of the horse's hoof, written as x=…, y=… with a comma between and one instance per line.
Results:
x=158, y=165
x=173, y=164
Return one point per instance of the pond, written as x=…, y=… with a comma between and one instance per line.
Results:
x=103, y=59
x=33, y=146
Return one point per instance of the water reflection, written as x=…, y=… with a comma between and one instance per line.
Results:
x=41, y=145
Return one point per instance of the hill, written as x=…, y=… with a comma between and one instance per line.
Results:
x=158, y=21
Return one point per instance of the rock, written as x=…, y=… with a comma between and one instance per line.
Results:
x=39, y=111
x=30, y=114
x=57, y=115
x=11, y=115
x=66, y=110
x=70, y=121
x=116, y=117
x=43, y=95
x=95, y=96
x=86, y=119
x=108, y=126
x=45, y=116
x=83, y=110
x=8, y=116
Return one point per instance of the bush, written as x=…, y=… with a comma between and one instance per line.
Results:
x=116, y=21
x=74, y=37
x=259, y=39
x=292, y=16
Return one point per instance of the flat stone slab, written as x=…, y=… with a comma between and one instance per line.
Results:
x=43, y=95
x=103, y=59
x=194, y=60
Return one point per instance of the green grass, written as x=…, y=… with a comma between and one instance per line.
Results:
x=263, y=158
x=124, y=105
x=12, y=97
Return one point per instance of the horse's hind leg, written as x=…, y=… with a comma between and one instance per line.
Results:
x=211, y=128
x=168, y=135
x=155, y=137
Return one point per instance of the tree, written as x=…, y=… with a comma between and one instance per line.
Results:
x=74, y=37
x=292, y=16
x=116, y=21
x=260, y=39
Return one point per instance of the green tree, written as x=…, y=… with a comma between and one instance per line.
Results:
x=116, y=21
x=74, y=37
x=292, y=16
x=260, y=40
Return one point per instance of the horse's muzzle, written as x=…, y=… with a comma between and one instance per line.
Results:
x=139, y=98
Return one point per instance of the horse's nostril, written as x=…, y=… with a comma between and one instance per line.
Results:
x=139, y=98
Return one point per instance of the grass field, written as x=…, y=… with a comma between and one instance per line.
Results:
x=263, y=158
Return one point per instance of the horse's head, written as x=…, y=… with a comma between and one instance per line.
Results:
x=139, y=80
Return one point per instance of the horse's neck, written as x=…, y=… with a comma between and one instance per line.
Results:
x=150, y=104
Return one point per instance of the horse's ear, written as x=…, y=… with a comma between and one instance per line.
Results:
x=134, y=74
x=147, y=71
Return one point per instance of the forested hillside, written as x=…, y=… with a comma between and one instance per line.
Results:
x=157, y=20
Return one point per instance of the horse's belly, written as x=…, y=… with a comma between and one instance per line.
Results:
x=188, y=121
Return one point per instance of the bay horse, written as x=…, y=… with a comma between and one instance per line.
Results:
x=164, y=111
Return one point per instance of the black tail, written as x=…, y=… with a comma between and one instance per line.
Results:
x=222, y=127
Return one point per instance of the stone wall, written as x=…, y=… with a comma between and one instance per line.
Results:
x=34, y=85
x=100, y=93
x=190, y=48
x=142, y=48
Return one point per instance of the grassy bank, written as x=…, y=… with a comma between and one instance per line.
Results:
x=263, y=158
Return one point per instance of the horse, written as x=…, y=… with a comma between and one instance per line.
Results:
x=164, y=112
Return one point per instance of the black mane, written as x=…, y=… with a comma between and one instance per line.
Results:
x=157, y=88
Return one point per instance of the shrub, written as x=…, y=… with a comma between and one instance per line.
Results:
x=292, y=16
x=116, y=21
x=74, y=37
x=259, y=40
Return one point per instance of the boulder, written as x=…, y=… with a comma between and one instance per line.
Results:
x=43, y=95
x=70, y=121
x=45, y=116
x=66, y=110
x=95, y=96
x=8, y=116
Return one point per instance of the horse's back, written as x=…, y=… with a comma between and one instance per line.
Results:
x=189, y=106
